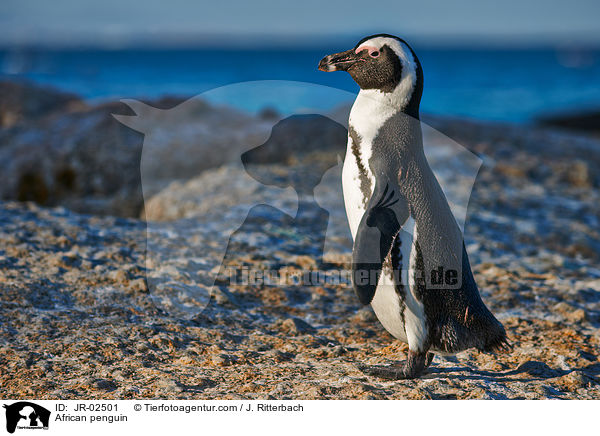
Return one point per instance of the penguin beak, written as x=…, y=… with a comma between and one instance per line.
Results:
x=339, y=61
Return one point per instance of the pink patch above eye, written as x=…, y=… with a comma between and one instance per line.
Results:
x=373, y=51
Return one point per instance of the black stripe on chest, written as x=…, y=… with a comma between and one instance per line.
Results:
x=396, y=259
x=365, y=182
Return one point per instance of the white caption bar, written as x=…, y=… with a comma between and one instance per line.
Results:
x=368, y=418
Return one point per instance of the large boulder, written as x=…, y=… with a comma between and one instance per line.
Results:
x=585, y=121
x=22, y=102
x=84, y=160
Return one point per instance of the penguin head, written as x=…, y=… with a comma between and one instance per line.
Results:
x=380, y=62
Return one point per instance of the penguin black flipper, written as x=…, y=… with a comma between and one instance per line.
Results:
x=379, y=225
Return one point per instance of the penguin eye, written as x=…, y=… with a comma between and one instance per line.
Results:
x=374, y=54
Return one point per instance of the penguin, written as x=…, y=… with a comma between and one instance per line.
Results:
x=408, y=260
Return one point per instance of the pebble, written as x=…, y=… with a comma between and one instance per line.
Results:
x=107, y=385
x=169, y=386
x=222, y=360
x=118, y=276
x=296, y=326
x=138, y=285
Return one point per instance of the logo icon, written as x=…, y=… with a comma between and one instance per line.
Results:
x=26, y=415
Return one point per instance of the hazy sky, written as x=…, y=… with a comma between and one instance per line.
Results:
x=124, y=21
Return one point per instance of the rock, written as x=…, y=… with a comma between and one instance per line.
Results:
x=279, y=356
x=583, y=122
x=222, y=360
x=306, y=262
x=218, y=189
x=142, y=347
x=577, y=316
x=167, y=386
x=579, y=174
x=298, y=136
x=575, y=173
x=299, y=151
x=89, y=162
x=337, y=351
x=138, y=285
x=569, y=312
x=296, y=326
x=575, y=380
x=84, y=160
x=118, y=276
x=511, y=170
x=24, y=102
x=538, y=369
x=419, y=394
x=106, y=385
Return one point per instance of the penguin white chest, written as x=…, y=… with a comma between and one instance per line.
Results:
x=358, y=181
x=354, y=197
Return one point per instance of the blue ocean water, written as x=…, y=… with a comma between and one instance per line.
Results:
x=505, y=85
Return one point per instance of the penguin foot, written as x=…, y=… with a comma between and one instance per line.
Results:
x=412, y=367
x=388, y=372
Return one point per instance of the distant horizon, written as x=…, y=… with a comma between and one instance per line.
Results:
x=301, y=42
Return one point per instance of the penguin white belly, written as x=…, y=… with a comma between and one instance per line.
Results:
x=387, y=304
x=388, y=308
x=402, y=318
x=353, y=197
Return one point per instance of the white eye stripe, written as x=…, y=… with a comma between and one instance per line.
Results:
x=401, y=50
x=373, y=51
